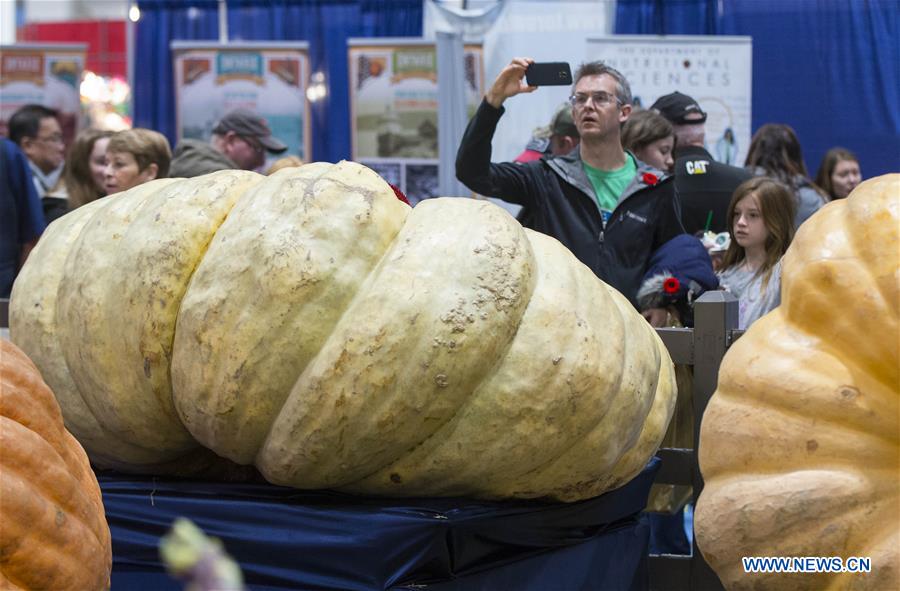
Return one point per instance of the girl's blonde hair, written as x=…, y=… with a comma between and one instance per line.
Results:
x=778, y=207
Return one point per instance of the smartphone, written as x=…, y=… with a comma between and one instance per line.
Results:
x=548, y=74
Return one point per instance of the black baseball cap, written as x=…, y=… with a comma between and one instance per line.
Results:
x=246, y=123
x=679, y=108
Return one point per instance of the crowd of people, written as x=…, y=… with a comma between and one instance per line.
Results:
x=637, y=197
x=633, y=193
x=41, y=182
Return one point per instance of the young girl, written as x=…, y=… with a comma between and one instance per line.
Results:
x=762, y=214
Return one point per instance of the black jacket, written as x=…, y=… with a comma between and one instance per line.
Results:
x=703, y=186
x=558, y=192
x=54, y=207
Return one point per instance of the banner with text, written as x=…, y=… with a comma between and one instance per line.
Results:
x=714, y=71
x=46, y=74
x=268, y=78
x=394, y=109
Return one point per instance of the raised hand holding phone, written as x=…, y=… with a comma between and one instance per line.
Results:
x=510, y=82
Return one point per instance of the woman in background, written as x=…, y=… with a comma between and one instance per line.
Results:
x=85, y=167
x=135, y=156
x=651, y=138
x=838, y=173
x=775, y=152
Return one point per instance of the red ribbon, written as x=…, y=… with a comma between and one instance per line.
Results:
x=399, y=193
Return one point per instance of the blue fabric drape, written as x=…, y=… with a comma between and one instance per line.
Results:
x=163, y=21
x=325, y=25
x=666, y=17
x=292, y=539
x=828, y=68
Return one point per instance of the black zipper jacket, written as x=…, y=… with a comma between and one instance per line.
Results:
x=561, y=199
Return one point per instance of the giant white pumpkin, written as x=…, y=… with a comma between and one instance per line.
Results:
x=314, y=326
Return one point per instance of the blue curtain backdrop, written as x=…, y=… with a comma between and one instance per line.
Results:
x=828, y=68
x=324, y=24
x=163, y=21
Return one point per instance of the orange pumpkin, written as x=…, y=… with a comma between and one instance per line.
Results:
x=53, y=532
x=800, y=445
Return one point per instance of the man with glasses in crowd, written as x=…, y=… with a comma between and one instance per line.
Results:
x=610, y=209
x=36, y=130
x=239, y=140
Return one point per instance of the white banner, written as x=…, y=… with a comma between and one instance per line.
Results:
x=394, y=109
x=714, y=71
x=269, y=78
x=545, y=31
x=46, y=74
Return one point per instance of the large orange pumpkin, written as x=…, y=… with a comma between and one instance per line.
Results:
x=53, y=532
x=799, y=444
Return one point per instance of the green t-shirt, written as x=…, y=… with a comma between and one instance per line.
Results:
x=609, y=184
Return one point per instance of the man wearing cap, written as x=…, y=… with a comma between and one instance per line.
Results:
x=239, y=140
x=557, y=139
x=704, y=186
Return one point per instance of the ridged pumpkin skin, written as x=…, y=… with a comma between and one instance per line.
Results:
x=312, y=325
x=53, y=532
x=799, y=444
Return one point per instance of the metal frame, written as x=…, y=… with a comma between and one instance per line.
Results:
x=715, y=329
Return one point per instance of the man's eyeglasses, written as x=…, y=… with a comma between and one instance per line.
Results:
x=51, y=139
x=599, y=97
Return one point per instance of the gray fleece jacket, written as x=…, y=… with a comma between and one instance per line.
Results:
x=195, y=158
